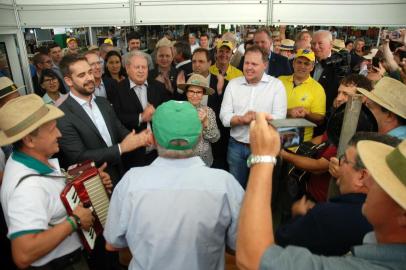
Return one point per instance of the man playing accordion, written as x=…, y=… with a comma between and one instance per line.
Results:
x=42, y=234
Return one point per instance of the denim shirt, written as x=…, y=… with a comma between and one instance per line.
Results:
x=369, y=256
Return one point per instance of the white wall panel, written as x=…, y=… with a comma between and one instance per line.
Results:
x=50, y=13
x=330, y=12
x=75, y=15
x=7, y=15
x=65, y=2
x=200, y=12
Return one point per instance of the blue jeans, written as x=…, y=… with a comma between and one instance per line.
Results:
x=237, y=155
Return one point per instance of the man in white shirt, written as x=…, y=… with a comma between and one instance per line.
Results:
x=243, y=97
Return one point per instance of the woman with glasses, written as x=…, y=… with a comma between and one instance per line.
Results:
x=195, y=87
x=114, y=67
x=53, y=88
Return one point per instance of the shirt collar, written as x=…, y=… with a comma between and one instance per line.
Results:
x=178, y=162
x=31, y=162
x=47, y=99
x=380, y=252
x=133, y=84
x=183, y=63
x=265, y=78
x=81, y=101
x=101, y=85
x=304, y=82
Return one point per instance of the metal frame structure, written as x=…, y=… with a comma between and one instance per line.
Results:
x=18, y=14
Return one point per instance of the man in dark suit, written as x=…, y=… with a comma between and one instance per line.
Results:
x=41, y=61
x=91, y=131
x=278, y=65
x=182, y=57
x=104, y=87
x=135, y=103
x=90, y=128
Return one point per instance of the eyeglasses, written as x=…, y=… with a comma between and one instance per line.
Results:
x=343, y=160
x=50, y=80
x=194, y=93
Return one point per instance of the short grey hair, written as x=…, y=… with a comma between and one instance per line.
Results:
x=134, y=53
x=325, y=33
x=177, y=154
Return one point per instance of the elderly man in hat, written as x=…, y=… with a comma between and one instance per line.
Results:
x=384, y=208
x=8, y=91
x=175, y=213
x=387, y=102
x=287, y=48
x=306, y=97
x=41, y=232
x=319, y=227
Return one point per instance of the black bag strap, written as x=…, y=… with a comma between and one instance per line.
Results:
x=40, y=175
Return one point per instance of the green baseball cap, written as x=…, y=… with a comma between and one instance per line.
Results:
x=175, y=121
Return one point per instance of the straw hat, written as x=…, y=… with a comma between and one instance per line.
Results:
x=287, y=45
x=7, y=87
x=338, y=45
x=390, y=94
x=387, y=166
x=197, y=80
x=22, y=115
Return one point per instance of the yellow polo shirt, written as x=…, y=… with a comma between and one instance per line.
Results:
x=231, y=73
x=309, y=94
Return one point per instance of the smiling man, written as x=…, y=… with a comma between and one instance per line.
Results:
x=306, y=97
x=223, y=57
x=255, y=92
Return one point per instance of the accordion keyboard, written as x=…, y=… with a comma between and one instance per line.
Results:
x=98, y=197
x=73, y=199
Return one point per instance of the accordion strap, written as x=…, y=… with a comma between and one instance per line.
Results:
x=40, y=175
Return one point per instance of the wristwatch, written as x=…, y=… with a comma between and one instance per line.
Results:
x=253, y=159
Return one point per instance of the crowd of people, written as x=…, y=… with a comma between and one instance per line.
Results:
x=182, y=141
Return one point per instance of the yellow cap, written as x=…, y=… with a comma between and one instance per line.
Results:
x=108, y=41
x=225, y=43
x=305, y=53
x=70, y=39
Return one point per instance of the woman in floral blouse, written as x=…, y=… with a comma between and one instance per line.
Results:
x=195, y=87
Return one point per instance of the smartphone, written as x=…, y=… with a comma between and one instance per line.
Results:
x=375, y=62
x=291, y=136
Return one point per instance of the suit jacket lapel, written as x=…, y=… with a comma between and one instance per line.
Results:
x=106, y=118
x=131, y=92
x=81, y=114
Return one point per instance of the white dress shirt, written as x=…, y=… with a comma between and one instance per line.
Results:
x=100, y=91
x=268, y=95
x=96, y=116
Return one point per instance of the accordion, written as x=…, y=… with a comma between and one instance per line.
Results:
x=86, y=187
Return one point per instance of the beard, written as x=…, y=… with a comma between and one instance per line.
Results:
x=86, y=89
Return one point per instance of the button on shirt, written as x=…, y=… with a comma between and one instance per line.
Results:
x=93, y=111
x=175, y=214
x=268, y=95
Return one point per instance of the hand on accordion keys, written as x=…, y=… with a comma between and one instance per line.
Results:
x=85, y=216
x=105, y=177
